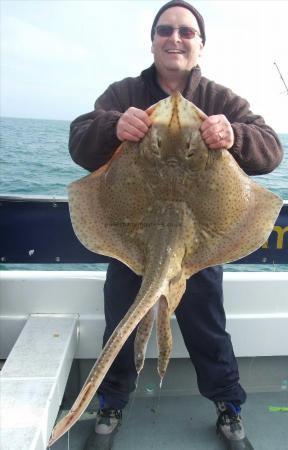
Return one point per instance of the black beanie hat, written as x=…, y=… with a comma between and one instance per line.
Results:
x=186, y=5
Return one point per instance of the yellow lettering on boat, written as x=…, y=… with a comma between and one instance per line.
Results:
x=280, y=237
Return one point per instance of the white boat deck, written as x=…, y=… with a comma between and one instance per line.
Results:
x=186, y=422
x=176, y=417
x=33, y=380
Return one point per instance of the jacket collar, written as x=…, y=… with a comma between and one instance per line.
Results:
x=150, y=79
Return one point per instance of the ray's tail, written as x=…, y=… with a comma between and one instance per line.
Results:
x=155, y=283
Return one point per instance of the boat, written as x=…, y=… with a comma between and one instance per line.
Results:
x=51, y=327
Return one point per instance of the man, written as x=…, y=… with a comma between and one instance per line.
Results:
x=178, y=37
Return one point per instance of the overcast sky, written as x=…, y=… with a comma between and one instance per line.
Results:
x=58, y=56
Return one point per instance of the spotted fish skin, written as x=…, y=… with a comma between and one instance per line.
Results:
x=156, y=281
x=166, y=207
x=142, y=337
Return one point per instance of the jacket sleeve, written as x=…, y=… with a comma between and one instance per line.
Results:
x=93, y=139
x=256, y=148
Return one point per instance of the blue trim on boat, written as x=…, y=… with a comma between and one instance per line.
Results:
x=38, y=230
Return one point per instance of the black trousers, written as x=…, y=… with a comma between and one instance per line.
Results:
x=202, y=321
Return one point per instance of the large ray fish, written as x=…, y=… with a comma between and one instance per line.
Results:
x=167, y=207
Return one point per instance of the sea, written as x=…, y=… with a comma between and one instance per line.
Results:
x=34, y=160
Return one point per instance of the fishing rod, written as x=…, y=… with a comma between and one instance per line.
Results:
x=281, y=77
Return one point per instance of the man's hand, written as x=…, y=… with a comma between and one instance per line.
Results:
x=217, y=132
x=133, y=125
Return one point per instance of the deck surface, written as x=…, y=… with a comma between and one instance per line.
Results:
x=186, y=423
x=178, y=418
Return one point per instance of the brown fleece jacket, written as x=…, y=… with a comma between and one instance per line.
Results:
x=93, y=137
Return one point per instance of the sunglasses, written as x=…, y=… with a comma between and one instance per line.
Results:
x=184, y=32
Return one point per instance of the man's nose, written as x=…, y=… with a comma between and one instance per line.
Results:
x=175, y=36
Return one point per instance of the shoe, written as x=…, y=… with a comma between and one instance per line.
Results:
x=230, y=427
x=107, y=423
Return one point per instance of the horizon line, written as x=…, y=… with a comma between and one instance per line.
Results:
x=71, y=120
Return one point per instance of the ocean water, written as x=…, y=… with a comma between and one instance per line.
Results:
x=34, y=160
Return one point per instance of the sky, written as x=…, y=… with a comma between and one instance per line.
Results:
x=58, y=56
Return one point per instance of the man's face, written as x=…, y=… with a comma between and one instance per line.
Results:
x=175, y=53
